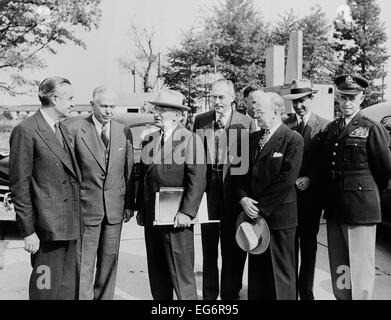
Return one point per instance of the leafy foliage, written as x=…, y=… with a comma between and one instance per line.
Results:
x=28, y=27
x=360, y=45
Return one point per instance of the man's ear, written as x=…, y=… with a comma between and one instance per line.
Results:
x=362, y=98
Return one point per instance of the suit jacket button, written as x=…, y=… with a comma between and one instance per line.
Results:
x=336, y=144
x=360, y=188
x=64, y=182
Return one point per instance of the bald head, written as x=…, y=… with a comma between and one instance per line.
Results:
x=268, y=108
x=104, y=101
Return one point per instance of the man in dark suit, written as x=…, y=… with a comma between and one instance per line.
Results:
x=310, y=126
x=230, y=127
x=105, y=157
x=356, y=162
x=171, y=158
x=44, y=184
x=269, y=190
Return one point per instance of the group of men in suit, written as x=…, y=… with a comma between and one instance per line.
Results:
x=70, y=182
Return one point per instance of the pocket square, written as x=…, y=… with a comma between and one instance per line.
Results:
x=277, y=155
x=122, y=148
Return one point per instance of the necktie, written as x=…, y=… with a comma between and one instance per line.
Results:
x=219, y=123
x=341, y=124
x=264, y=138
x=162, y=137
x=104, y=136
x=58, y=134
x=301, y=126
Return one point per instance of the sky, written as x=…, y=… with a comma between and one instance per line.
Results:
x=98, y=64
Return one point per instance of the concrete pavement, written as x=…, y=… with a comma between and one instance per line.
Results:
x=132, y=280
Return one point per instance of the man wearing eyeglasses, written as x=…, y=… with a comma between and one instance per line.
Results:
x=229, y=127
x=170, y=157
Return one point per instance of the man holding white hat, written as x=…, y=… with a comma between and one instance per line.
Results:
x=309, y=208
x=268, y=191
x=170, y=249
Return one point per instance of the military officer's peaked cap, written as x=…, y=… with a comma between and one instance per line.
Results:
x=350, y=85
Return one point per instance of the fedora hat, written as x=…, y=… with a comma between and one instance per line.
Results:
x=298, y=93
x=252, y=236
x=170, y=99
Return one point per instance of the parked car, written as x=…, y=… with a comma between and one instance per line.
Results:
x=382, y=113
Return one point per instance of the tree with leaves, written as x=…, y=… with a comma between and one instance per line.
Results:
x=318, y=58
x=29, y=27
x=146, y=56
x=360, y=45
x=190, y=68
x=230, y=42
x=238, y=36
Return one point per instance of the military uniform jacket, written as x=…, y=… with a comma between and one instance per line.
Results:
x=356, y=168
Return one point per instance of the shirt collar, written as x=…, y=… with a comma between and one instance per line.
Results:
x=274, y=129
x=99, y=126
x=226, y=116
x=48, y=119
x=306, y=117
x=347, y=120
x=169, y=132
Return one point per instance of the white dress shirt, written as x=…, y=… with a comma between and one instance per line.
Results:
x=306, y=117
x=49, y=120
x=225, y=117
x=98, y=127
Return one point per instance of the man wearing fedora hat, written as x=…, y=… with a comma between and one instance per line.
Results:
x=356, y=163
x=223, y=121
x=309, y=125
x=171, y=158
x=268, y=191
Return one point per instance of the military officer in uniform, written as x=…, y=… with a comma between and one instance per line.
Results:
x=356, y=162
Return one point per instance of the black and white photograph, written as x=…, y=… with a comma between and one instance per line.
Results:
x=215, y=151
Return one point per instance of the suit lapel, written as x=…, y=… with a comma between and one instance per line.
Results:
x=353, y=124
x=91, y=141
x=156, y=149
x=47, y=134
x=115, y=142
x=69, y=144
x=254, y=145
x=273, y=141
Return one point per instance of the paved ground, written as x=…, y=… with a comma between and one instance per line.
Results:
x=132, y=281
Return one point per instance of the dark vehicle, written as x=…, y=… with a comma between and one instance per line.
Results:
x=382, y=113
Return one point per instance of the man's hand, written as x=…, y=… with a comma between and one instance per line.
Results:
x=31, y=243
x=140, y=219
x=128, y=214
x=303, y=183
x=182, y=220
x=249, y=206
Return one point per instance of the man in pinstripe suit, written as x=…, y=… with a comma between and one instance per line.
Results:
x=44, y=183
